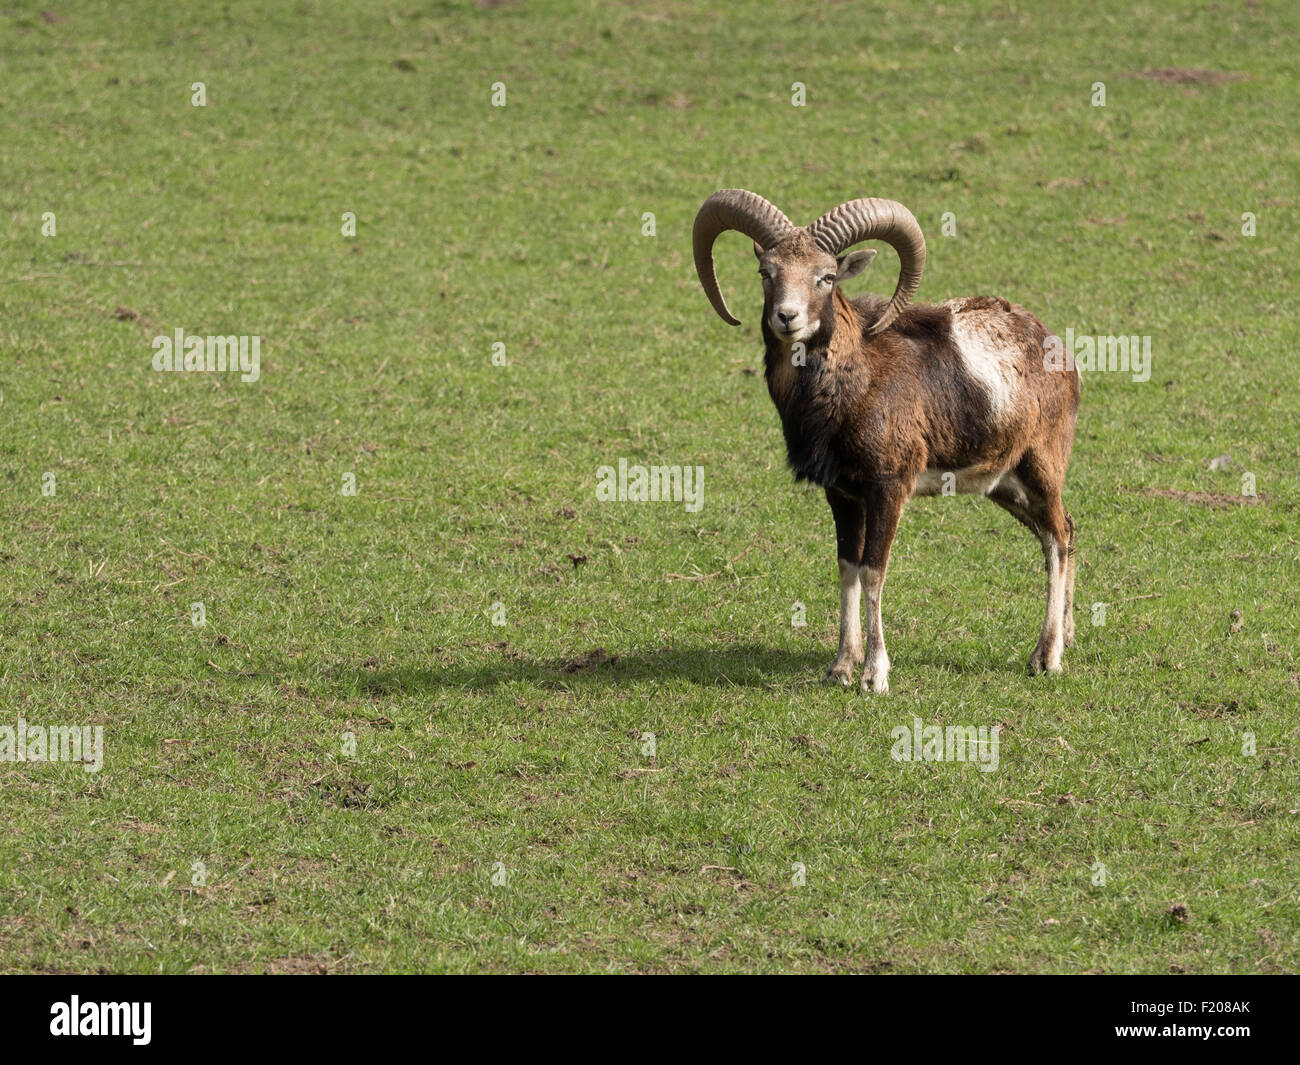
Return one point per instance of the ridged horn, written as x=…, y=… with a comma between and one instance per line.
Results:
x=744, y=212
x=873, y=219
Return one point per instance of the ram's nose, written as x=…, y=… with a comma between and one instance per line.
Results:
x=786, y=318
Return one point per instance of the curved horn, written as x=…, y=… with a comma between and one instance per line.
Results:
x=874, y=219
x=734, y=209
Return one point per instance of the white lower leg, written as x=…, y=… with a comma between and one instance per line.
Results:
x=1047, y=655
x=875, y=674
x=850, y=653
x=1068, y=610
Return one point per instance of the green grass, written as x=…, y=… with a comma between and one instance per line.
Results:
x=522, y=744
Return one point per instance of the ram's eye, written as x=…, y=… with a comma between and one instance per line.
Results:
x=828, y=279
x=765, y=275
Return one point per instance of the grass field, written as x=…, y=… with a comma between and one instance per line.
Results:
x=350, y=767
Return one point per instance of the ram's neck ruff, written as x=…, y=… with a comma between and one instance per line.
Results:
x=813, y=383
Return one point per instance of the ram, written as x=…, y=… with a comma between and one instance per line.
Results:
x=882, y=400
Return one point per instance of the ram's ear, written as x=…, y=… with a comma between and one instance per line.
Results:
x=854, y=263
x=758, y=250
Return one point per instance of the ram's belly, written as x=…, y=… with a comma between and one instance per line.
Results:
x=973, y=481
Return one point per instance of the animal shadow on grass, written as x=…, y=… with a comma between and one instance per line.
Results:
x=748, y=665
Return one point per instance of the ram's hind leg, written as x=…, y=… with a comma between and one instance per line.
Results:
x=1068, y=619
x=1036, y=503
x=850, y=525
x=1046, y=657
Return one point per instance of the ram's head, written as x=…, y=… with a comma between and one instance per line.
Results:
x=801, y=266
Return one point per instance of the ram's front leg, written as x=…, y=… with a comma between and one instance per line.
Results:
x=850, y=529
x=884, y=506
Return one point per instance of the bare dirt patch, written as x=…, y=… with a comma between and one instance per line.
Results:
x=1190, y=76
x=317, y=964
x=590, y=660
x=1213, y=500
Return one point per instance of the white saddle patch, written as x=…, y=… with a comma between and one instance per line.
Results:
x=987, y=360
